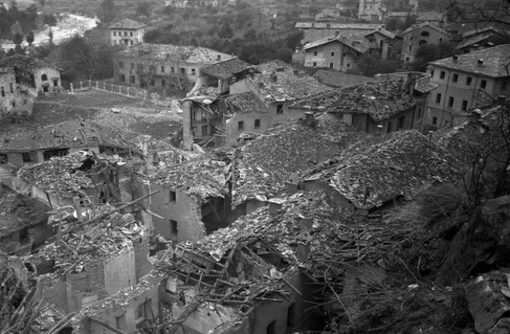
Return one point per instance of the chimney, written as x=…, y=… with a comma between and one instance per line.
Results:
x=480, y=63
x=455, y=59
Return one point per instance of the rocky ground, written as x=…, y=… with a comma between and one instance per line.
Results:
x=134, y=117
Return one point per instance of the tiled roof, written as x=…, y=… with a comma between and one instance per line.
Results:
x=341, y=26
x=495, y=60
x=204, y=176
x=473, y=138
x=226, y=69
x=68, y=134
x=478, y=31
x=355, y=41
x=422, y=25
x=175, y=53
x=371, y=172
x=340, y=79
x=127, y=24
x=380, y=100
x=280, y=82
x=383, y=32
x=474, y=39
x=65, y=176
x=246, y=102
x=267, y=162
x=25, y=63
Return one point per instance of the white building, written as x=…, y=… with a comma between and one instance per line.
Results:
x=127, y=32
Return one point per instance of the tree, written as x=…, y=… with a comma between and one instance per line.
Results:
x=144, y=8
x=50, y=20
x=226, y=31
x=17, y=39
x=393, y=24
x=106, y=11
x=30, y=38
x=369, y=66
x=430, y=52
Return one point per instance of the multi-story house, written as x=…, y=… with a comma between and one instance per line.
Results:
x=10, y=96
x=337, y=53
x=163, y=65
x=33, y=74
x=127, y=32
x=467, y=81
x=420, y=34
x=371, y=10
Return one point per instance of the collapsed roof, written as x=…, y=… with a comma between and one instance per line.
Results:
x=374, y=171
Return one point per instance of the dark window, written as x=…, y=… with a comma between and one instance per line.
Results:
x=314, y=64
x=455, y=77
x=26, y=157
x=257, y=124
x=464, y=105
x=47, y=155
x=503, y=85
x=279, y=108
x=14, y=104
x=450, y=101
x=425, y=34
x=390, y=127
x=240, y=125
x=122, y=77
x=291, y=316
x=330, y=65
x=432, y=73
x=483, y=84
x=271, y=328
x=114, y=33
x=121, y=64
x=193, y=71
x=132, y=79
x=3, y=158
x=120, y=321
x=438, y=98
x=152, y=83
x=434, y=120
x=3, y=92
x=11, y=86
x=468, y=81
x=173, y=226
x=44, y=77
x=419, y=113
x=183, y=70
x=143, y=310
x=401, y=121
x=332, y=54
x=163, y=83
x=162, y=69
x=172, y=69
x=442, y=74
x=173, y=196
x=131, y=33
x=315, y=53
x=381, y=43
x=204, y=130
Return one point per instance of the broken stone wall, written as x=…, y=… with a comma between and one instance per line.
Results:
x=120, y=272
x=126, y=316
x=184, y=210
x=54, y=291
x=232, y=125
x=142, y=264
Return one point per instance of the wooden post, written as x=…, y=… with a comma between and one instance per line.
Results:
x=71, y=87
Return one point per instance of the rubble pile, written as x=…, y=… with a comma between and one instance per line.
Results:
x=372, y=172
x=66, y=176
x=273, y=158
x=205, y=176
x=79, y=243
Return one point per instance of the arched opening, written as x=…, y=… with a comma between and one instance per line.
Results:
x=423, y=42
x=44, y=77
x=425, y=34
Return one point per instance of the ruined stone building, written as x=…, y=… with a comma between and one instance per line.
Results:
x=163, y=65
x=13, y=100
x=34, y=75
